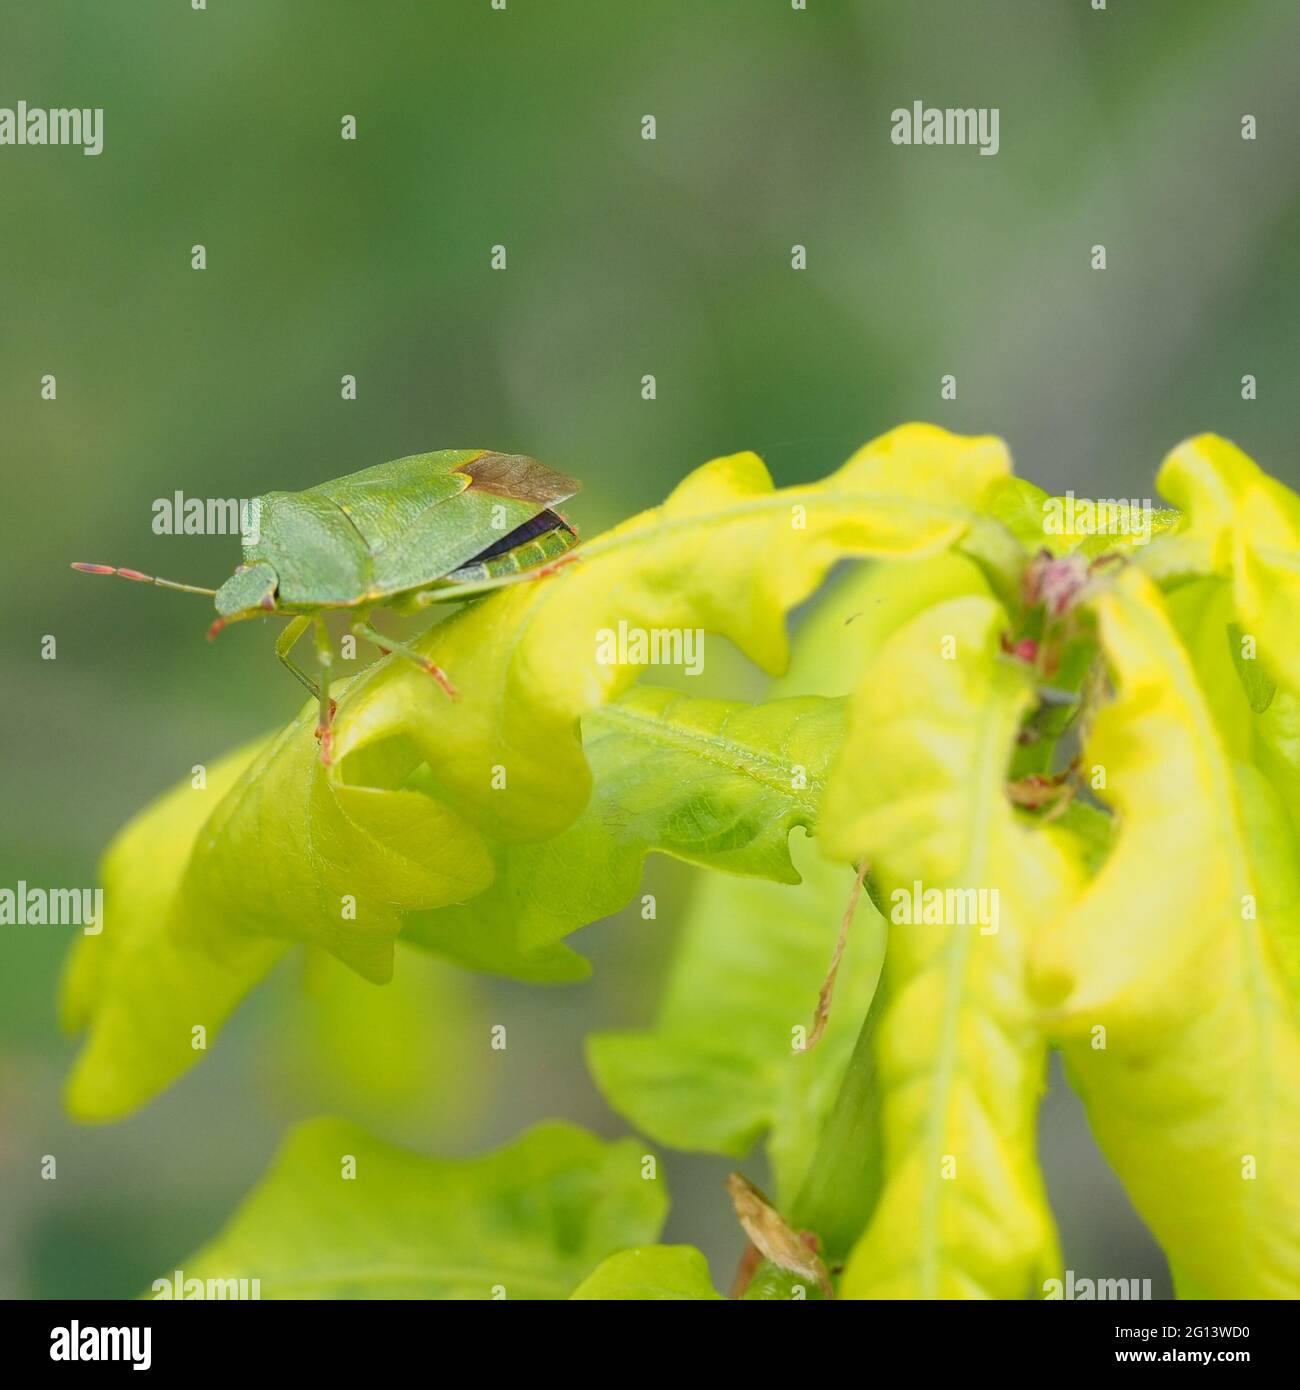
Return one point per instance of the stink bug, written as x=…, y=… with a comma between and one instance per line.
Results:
x=430, y=528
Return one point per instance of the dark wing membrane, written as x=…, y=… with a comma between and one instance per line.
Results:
x=534, y=527
x=535, y=544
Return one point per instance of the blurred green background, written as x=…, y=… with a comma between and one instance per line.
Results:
x=625, y=257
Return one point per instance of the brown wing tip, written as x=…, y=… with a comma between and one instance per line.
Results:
x=519, y=477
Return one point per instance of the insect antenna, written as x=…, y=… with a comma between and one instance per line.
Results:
x=142, y=578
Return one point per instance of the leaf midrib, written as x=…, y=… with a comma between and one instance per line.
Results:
x=729, y=754
x=989, y=776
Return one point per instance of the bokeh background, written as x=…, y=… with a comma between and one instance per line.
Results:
x=625, y=257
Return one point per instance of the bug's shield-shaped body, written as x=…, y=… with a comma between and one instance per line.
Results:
x=398, y=528
x=424, y=529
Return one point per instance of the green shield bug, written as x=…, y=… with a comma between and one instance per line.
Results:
x=429, y=528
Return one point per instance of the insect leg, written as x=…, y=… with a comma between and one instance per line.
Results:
x=362, y=628
x=285, y=643
x=325, y=723
x=458, y=593
x=547, y=570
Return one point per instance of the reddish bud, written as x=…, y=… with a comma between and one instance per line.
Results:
x=1026, y=649
x=1055, y=583
x=93, y=569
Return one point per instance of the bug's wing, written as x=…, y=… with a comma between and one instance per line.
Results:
x=381, y=502
x=521, y=478
x=400, y=525
x=504, y=491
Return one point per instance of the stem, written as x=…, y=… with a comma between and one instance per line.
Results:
x=823, y=1014
x=843, y=1181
